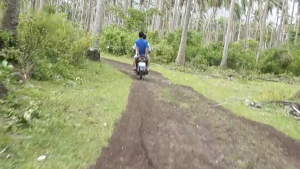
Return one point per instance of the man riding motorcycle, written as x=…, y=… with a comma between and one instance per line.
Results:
x=142, y=49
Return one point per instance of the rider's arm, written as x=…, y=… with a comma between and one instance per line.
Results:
x=137, y=50
x=147, y=50
x=149, y=47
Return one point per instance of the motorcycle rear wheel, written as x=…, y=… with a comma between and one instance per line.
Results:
x=141, y=75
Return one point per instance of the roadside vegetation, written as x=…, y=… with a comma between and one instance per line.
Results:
x=59, y=107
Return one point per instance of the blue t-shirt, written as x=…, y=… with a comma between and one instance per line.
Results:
x=142, y=44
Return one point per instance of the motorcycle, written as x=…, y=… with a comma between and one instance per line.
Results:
x=141, y=67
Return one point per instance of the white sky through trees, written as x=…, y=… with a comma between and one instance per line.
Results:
x=225, y=13
x=271, y=18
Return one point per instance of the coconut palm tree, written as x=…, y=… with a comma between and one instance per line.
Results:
x=227, y=36
x=180, y=59
x=94, y=51
x=298, y=23
x=262, y=30
x=282, y=22
x=10, y=20
x=291, y=21
x=249, y=12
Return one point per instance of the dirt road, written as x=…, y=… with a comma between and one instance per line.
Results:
x=167, y=126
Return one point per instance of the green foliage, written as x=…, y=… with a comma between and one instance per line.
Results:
x=276, y=61
x=62, y=115
x=2, y=9
x=239, y=58
x=20, y=110
x=117, y=41
x=48, y=47
x=137, y=20
x=51, y=45
x=293, y=36
x=162, y=52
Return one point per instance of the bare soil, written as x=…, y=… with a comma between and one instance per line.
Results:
x=167, y=126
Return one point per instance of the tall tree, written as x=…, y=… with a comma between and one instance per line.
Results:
x=298, y=23
x=262, y=31
x=94, y=51
x=282, y=23
x=180, y=59
x=10, y=20
x=249, y=11
x=89, y=16
x=42, y=4
x=227, y=36
x=175, y=15
x=291, y=21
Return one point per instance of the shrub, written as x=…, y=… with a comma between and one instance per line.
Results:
x=50, y=45
x=163, y=52
x=136, y=20
x=118, y=41
x=2, y=9
x=275, y=61
x=239, y=58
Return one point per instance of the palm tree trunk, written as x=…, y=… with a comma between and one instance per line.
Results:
x=36, y=4
x=126, y=7
x=180, y=59
x=183, y=13
x=42, y=4
x=10, y=20
x=192, y=14
x=232, y=32
x=271, y=39
x=227, y=37
x=291, y=21
x=282, y=23
x=250, y=7
x=94, y=52
x=224, y=31
x=297, y=28
x=158, y=20
x=217, y=32
x=175, y=15
x=240, y=26
x=89, y=16
x=262, y=31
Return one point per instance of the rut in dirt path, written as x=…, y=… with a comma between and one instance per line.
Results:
x=167, y=126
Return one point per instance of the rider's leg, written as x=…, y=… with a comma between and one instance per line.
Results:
x=134, y=61
x=148, y=61
x=134, y=64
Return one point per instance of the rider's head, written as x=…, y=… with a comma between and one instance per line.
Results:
x=141, y=34
x=145, y=36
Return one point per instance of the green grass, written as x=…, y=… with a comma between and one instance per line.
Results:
x=221, y=90
x=71, y=130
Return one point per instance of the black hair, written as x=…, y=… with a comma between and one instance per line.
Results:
x=145, y=36
x=141, y=34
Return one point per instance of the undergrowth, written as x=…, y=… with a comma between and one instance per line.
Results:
x=69, y=121
x=119, y=40
x=55, y=97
